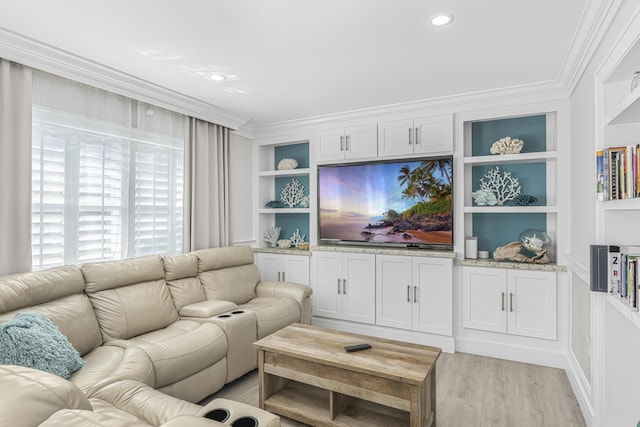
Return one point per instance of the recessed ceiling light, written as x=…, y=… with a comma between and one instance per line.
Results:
x=217, y=77
x=441, y=19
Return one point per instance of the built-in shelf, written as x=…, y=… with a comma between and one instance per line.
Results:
x=510, y=209
x=623, y=204
x=288, y=172
x=627, y=111
x=623, y=307
x=511, y=158
x=283, y=210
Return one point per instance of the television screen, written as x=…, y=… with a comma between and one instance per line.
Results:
x=401, y=203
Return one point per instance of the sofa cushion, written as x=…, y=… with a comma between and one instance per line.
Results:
x=32, y=340
x=108, y=363
x=235, y=284
x=75, y=318
x=272, y=313
x=182, y=349
x=218, y=258
x=133, y=310
x=109, y=275
x=27, y=289
x=180, y=274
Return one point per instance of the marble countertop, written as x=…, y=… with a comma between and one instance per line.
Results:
x=289, y=251
x=385, y=251
x=510, y=265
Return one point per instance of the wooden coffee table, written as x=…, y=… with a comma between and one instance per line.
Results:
x=305, y=374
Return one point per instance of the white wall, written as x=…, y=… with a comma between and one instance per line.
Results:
x=241, y=188
x=618, y=367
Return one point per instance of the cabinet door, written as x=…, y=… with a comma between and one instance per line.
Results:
x=394, y=291
x=295, y=268
x=362, y=142
x=359, y=288
x=435, y=134
x=395, y=138
x=433, y=283
x=269, y=265
x=532, y=303
x=326, y=271
x=331, y=144
x=484, y=299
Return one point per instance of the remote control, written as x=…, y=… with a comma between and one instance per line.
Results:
x=357, y=347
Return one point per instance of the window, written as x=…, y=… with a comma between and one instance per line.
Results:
x=107, y=176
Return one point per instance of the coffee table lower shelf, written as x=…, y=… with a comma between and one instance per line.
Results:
x=314, y=406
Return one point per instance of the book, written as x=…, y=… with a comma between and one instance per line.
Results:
x=600, y=182
x=614, y=269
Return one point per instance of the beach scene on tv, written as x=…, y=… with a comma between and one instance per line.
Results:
x=400, y=202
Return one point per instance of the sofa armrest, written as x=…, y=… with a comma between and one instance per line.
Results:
x=30, y=396
x=206, y=309
x=191, y=421
x=291, y=290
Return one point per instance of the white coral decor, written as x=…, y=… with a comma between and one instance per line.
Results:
x=292, y=193
x=507, y=145
x=287, y=164
x=503, y=185
x=271, y=236
x=484, y=197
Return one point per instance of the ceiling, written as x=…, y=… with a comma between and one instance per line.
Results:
x=293, y=59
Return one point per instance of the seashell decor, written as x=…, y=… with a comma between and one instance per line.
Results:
x=287, y=164
x=507, y=145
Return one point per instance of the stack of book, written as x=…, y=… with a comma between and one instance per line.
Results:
x=618, y=174
x=624, y=263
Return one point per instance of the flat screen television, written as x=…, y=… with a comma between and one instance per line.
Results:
x=402, y=203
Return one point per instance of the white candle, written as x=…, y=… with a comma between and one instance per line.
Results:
x=471, y=248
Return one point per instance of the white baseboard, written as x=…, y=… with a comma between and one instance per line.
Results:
x=447, y=344
x=581, y=389
x=517, y=353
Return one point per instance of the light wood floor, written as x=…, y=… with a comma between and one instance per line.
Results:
x=477, y=391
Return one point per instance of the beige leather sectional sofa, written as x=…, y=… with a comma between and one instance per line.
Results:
x=174, y=328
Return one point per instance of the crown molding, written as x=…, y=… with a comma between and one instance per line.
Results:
x=41, y=56
x=594, y=22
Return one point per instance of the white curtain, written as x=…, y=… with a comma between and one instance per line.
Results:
x=15, y=168
x=206, y=186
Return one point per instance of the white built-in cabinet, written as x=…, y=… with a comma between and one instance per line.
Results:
x=516, y=302
x=283, y=268
x=416, y=136
x=345, y=143
x=344, y=286
x=414, y=293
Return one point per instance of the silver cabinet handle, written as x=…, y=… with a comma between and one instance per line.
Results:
x=279, y=277
x=342, y=143
x=417, y=136
x=415, y=294
x=347, y=139
x=339, y=292
x=503, y=301
x=408, y=293
x=283, y=279
x=410, y=136
x=344, y=286
x=511, y=301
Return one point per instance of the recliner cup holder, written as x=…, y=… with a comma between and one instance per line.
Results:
x=221, y=415
x=245, y=422
x=237, y=312
x=224, y=315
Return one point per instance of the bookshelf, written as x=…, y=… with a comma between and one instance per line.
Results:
x=271, y=181
x=536, y=168
x=618, y=125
